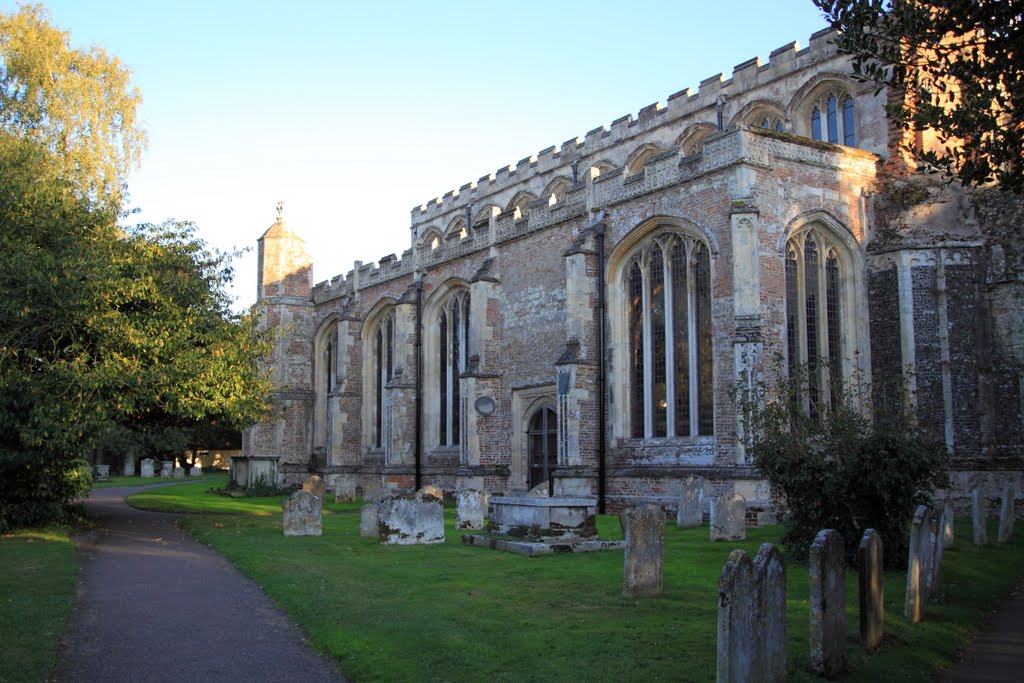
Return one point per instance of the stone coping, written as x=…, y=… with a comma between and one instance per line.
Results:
x=534, y=501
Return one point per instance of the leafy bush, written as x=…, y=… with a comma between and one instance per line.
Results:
x=836, y=468
x=35, y=488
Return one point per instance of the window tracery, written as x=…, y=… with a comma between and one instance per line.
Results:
x=833, y=119
x=452, y=333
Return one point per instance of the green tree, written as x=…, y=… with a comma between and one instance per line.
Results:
x=78, y=104
x=954, y=68
x=104, y=329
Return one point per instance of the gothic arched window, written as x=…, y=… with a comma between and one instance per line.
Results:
x=832, y=119
x=383, y=373
x=668, y=325
x=452, y=342
x=814, y=316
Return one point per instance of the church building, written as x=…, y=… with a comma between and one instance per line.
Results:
x=586, y=319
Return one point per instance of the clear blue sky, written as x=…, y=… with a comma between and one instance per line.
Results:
x=354, y=113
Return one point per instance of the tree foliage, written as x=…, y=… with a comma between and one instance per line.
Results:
x=104, y=328
x=78, y=104
x=835, y=468
x=955, y=67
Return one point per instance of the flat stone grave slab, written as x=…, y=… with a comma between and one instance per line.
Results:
x=538, y=548
x=544, y=519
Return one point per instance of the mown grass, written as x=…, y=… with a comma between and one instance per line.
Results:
x=451, y=612
x=37, y=587
x=117, y=480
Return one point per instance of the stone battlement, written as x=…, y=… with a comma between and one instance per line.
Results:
x=746, y=75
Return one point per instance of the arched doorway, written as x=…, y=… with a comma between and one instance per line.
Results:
x=542, y=447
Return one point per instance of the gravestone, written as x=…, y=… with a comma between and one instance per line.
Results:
x=541, y=490
x=408, y=521
x=196, y=471
x=935, y=551
x=301, y=515
x=913, y=608
x=947, y=522
x=770, y=577
x=1006, y=513
x=729, y=518
x=691, y=493
x=872, y=589
x=471, y=509
x=828, y=603
x=147, y=468
x=430, y=491
x=979, y=516
x=102, y=472
x=644, y=557
x=752, y=617
x=179, y=472
x=166, y=468
x=317, y=486
x=368, y=520
x=929, y=535
x=128, y=468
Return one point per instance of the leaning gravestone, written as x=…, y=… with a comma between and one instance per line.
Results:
x=935, y=550
x=828, y=603
x=947, y=522
x=317, y=486
x=729, y=518
x=166, y=468
x=872, y=590
x=368, y=520
x=147, y=468
x=1006, y=513
x=430, y=491
x=408, y=521
x=979, y=516
x=752, y=617
x=689, y=513
x=301, y=515
x=913, y=608
x=644, y=556
x=541, y=490
x=929, y=535
x=471, y=509
x=179, y=472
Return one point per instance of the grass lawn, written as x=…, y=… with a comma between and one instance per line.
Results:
x=451, y=612
x=37, y=587
x=116, y=480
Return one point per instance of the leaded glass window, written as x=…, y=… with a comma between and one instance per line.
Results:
x=383, y=358
x=453, y=340
x=832, y=119
x=668, y=326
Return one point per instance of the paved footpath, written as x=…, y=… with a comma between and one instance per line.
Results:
x=997, y=654
x=154, y=604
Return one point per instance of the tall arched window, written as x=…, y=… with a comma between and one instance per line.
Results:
x=832, y=119
x=383, y=373
x=452, y=343
x=814, y=316
x=668, y=325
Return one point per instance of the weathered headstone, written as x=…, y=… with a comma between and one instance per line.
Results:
x=1006, y=513
x=913, y=608
x=926, y=554
x=644, y=556
x=947, y=521
x=979, y=515
x=317, y=486
x=128, y=467
x=196, y=471
x=301, y=515
x=166, y=468
x=368, y=520
x=541, y=490
x=770, y=577
x=872, y=589
x=691, y=493
x=729, y=518
x=179, y=472
x=471, y=509
x=405, y=521
x=102, y=472
x=752, y=617
x=146, y=468
x=430, y=491
x=935, y=551
x=828, y=603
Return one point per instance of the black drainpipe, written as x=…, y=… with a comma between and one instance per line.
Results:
x=599, y=228
x=418, y=281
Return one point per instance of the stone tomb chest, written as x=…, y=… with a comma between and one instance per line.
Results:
x=544, y=519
